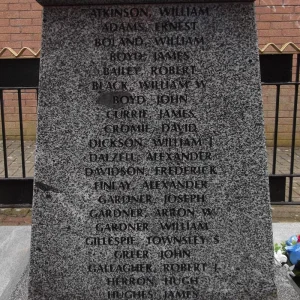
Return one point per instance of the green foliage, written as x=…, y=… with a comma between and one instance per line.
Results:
x=280, y=246
x=283, y=245
x=277, y=247
x=296, y=272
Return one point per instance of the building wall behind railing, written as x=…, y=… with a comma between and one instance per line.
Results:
x=29, y=114
x=278, y=22
x=286, y=111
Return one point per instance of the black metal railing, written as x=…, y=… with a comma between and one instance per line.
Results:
x=17, y=191
x=278, y=181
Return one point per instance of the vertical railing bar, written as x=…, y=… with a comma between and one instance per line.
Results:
x=3, y=134
x=37, y=95
x=21, y=133
x=294, y=128
x=276, y=129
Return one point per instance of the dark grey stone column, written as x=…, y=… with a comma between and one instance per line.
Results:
x=151, y=172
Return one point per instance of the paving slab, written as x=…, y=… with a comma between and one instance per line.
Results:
x=285, y=213
x=14, y=257
x=282, y=231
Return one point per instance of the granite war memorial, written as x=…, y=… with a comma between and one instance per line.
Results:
x=151, y=173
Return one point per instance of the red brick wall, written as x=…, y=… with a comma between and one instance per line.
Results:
x=20, y=24
x=11, y=110
x=278, y=21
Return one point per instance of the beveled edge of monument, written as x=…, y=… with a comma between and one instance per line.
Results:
x=100, y=2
